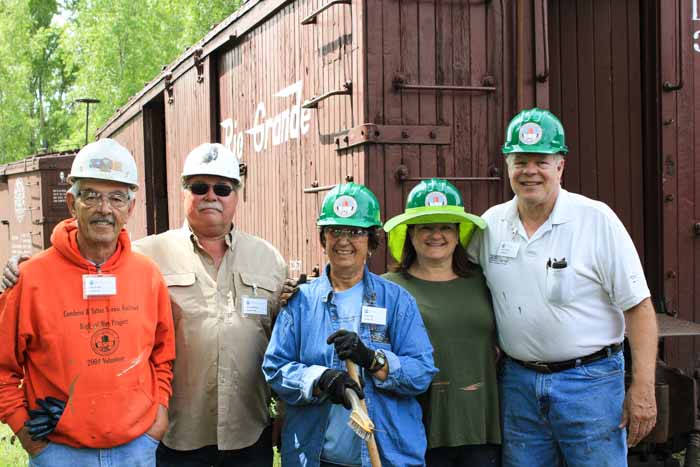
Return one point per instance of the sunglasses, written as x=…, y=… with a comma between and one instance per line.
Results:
x=201, y=188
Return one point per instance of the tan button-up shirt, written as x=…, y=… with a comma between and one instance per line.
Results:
x=219, y=392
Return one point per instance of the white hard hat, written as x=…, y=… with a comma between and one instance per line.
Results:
x=212, y=159
x=105, y=159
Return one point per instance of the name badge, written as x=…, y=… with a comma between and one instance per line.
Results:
x=96, y=285
x=254, y=306
x=508, y=249
x=374, y=315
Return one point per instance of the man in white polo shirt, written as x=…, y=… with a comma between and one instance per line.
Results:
x=565, y=276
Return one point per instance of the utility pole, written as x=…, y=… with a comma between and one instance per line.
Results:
x=87, y=101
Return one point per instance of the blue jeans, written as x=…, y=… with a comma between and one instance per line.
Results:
x=568, y=418
x=140, y=452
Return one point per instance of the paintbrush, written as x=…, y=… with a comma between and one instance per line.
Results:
x=359, y=421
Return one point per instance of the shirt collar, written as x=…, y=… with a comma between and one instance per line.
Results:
x=186, y=229
x=561, y=214
x=369, y=295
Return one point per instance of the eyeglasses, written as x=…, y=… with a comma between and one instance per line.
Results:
x=201, y=188
x=352, y=234
x=116, y=199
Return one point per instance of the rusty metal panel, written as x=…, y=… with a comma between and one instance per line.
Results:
x=438, y=48
x=285, y=147
x=680, y=166
x=131, y=137
x=188, y=123
x=33, y=198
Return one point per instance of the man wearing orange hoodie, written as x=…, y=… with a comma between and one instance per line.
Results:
x=87, y=333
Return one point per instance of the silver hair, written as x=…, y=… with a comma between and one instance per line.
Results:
x=75, y=190
x=510, y=158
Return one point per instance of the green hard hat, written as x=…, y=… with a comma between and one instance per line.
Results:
x=350, y=204
x=535, y=131
x=433, y=201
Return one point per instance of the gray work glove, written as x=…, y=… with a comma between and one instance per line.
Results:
x=43, y=421
x=10, y=275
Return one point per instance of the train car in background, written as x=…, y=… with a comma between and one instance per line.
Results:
x=32, y=202
x=311, y=93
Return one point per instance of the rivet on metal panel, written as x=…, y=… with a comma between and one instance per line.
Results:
x=668, y=121
x=349, y=178
x=243, y=168
x=314, y=183
x=432, y=134
x=316, y=271
x=337, y=141
x=668, y=198
x=401, y=173
x=696, y=229
x=670, y=274
x=346, y=139
x=488, y=80
x=494, y=171
x=404, y=133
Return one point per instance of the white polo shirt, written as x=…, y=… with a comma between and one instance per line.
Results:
x=550, y=315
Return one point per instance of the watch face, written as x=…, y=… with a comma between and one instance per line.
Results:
x=379, y=361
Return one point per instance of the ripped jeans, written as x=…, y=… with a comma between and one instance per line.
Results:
x=568, y=418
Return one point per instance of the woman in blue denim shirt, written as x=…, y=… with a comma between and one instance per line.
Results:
x=350, y=313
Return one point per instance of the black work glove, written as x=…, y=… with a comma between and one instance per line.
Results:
x=333, y=384
x=43, y=421
x=349, y=345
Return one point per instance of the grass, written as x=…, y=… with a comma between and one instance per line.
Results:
x=11, y=452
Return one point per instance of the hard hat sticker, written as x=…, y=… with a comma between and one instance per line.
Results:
x=345, y=206
x=436, y=198
x=530, y=133
x=105, y=164
x=210, y=155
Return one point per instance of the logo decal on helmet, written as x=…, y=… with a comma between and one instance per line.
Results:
x=211, y=155
x=345, y=206
x=436, y=198
x=530, y=133
x=105, y=164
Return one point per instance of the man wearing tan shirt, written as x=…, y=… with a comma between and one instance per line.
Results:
x=224, y=287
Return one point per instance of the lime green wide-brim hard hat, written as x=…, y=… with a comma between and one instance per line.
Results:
x=350, y=204
x=433, y=201
x=535, y=131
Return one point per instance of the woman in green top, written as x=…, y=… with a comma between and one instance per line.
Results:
x=460, y=410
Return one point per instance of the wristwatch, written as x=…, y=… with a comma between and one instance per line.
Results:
x=378, y=362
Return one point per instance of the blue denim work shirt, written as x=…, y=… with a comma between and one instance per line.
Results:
x=298, y=354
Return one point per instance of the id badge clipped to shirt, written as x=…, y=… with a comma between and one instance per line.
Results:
x=99, y=285
x=254, y=306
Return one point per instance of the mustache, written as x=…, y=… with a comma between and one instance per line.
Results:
x=210, y=205
x=98, y=218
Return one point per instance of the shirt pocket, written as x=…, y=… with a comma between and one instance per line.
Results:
x=560, y=285
x=253, y=285
x=185, y=295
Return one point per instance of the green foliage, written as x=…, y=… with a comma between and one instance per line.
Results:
x=55, y=52
x=11, y=452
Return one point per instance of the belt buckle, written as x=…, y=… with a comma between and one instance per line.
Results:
x=541, y=367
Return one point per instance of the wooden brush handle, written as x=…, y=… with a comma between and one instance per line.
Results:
x=371, y=442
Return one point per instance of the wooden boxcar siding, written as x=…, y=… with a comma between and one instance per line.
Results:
x=131, y=137
x=189, y=122
x=595, y=88
x=278, y=55
x=436, y=42
x=680, y=166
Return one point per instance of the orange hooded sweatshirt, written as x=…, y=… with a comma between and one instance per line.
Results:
x=109, y=357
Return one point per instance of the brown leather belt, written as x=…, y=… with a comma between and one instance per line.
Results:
x=554, y=367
